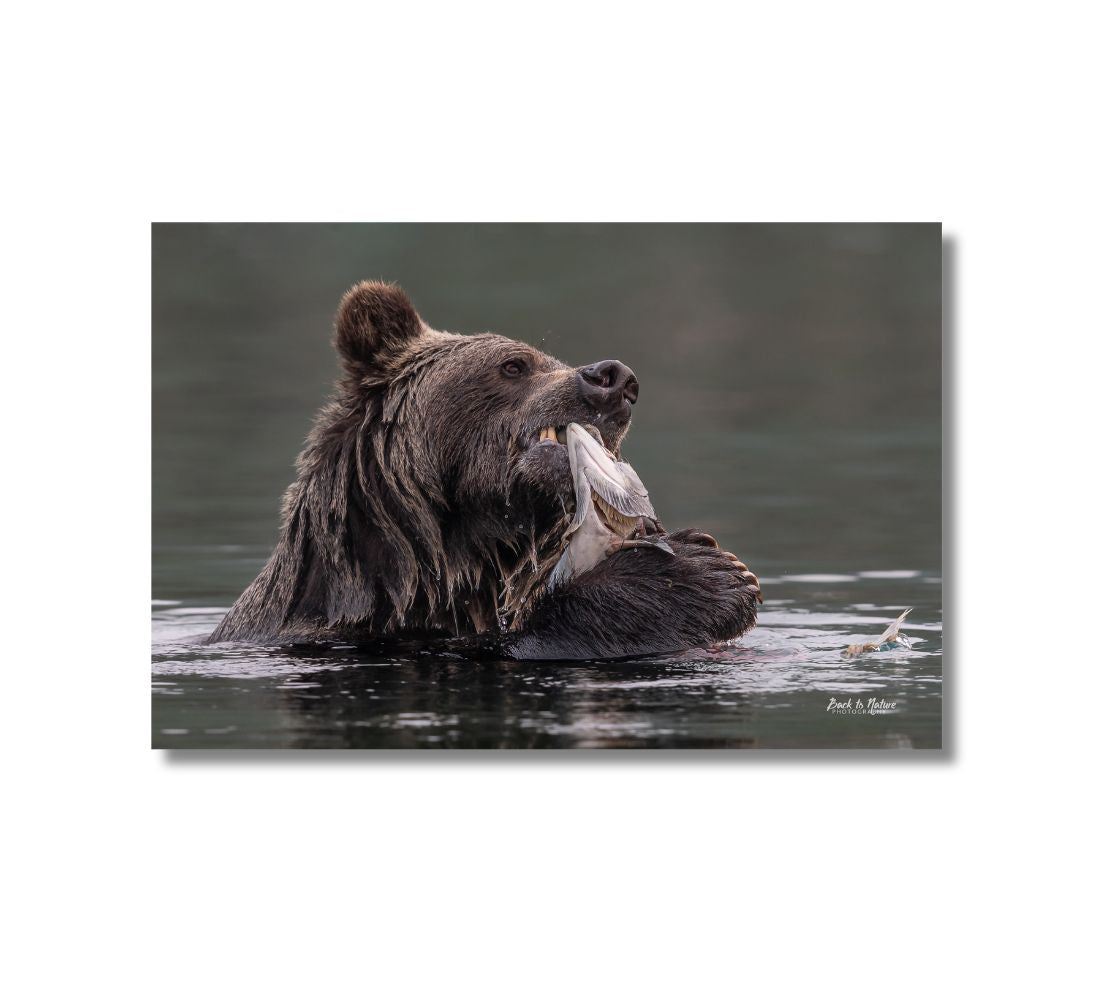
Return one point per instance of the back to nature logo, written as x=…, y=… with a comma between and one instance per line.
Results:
x=873, y=706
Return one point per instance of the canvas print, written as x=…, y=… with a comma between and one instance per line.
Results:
x=547, y=486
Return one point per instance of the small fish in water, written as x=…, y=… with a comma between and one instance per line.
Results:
x=613, y=510
x=887, y=640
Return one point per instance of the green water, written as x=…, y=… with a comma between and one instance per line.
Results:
x=790, y=404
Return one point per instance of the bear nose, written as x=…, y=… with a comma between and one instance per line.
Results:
x=606, y=382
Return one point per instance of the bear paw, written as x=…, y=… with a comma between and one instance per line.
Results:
x=692, y=536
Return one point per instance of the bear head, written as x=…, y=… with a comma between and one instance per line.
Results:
x=480, y=418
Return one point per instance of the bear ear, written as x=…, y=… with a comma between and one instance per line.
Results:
x=375, y=321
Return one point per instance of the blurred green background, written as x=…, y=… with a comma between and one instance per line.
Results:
x=790, y=374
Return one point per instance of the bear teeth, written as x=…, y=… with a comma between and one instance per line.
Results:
x=557, y=434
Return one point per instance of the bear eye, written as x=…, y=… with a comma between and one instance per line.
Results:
x=514, y=367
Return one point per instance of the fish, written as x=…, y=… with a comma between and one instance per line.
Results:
x=889, y=638
x=613, y=509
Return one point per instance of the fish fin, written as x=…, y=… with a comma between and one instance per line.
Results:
x=561, y=571
x=891, y=634
x=630, y=503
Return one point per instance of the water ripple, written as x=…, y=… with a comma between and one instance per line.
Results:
x=771, y=687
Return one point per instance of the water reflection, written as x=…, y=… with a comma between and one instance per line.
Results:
x=770, y=689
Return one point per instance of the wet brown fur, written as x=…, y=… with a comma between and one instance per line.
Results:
x=410, y=512
x=421, y=509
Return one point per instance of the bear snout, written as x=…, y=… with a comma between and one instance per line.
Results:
x=609, y=385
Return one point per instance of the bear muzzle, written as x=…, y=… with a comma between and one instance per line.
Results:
x=608, y=386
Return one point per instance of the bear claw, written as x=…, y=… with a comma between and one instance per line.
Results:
x=752, y=581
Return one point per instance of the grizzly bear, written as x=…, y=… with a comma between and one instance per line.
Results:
x=431, y=501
